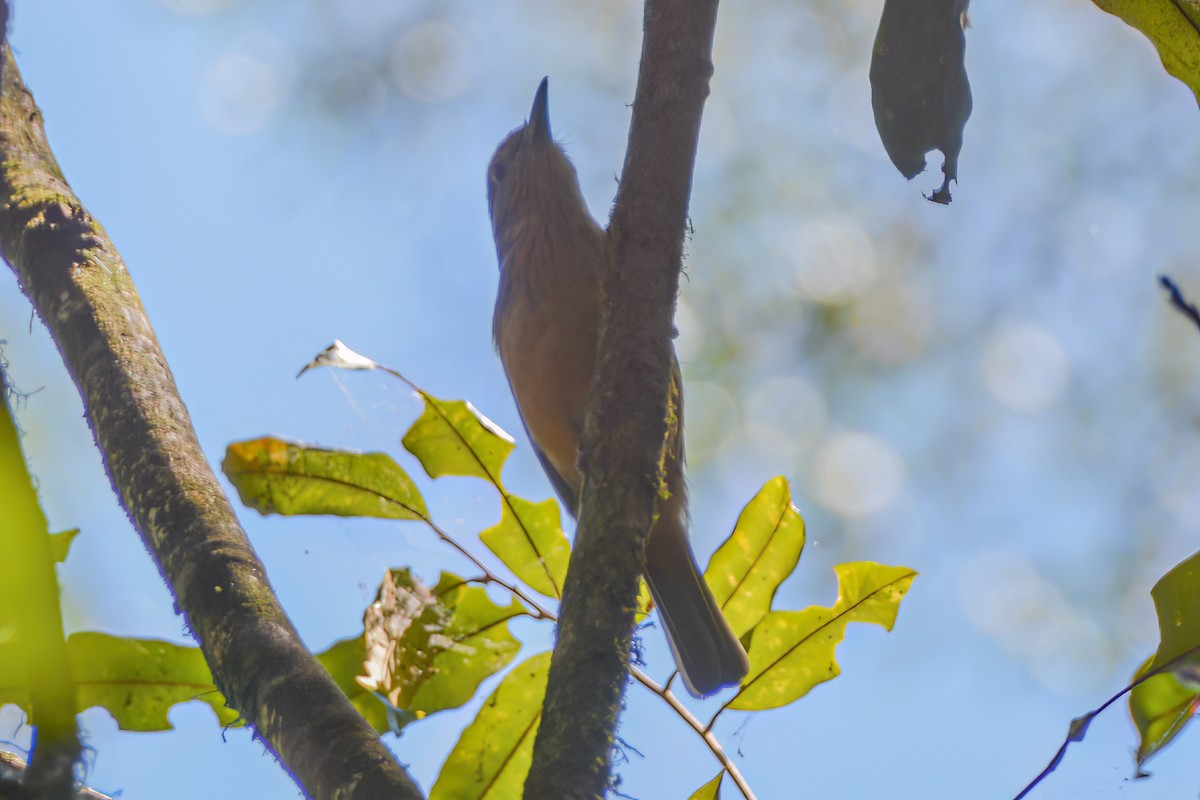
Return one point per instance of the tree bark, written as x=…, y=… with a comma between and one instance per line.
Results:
x=628, y=408
x=80, y=288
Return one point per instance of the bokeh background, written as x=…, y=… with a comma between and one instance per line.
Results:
x=995, y=393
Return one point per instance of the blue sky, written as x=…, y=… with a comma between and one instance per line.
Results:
x=994, y=393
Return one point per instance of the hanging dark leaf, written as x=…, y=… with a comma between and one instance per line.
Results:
x=919, y=88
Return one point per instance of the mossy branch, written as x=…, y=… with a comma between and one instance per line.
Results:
x=628, y=408
x=80, y=288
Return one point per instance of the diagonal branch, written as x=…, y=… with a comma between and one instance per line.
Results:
x=80, y=288
x=627, y=411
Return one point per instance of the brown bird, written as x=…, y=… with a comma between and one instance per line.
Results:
x=551, y=253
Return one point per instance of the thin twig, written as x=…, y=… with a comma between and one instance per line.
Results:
x=540, y=611
x=1079, y=725
x=710, y=739
x=1179, y=302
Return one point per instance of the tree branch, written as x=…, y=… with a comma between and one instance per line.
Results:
x=80, y=288
x=628, y=406
x=1179, y=302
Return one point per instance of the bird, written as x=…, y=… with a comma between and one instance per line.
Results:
x=545, y=328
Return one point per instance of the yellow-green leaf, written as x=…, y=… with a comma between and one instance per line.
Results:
x=30, y=613
x=492, y=757
x=136, y=680
x=530, y=541
x=1177, y=603
x=451, y=437
x=710, y=790
x=1160, y=707
x=60, y=544
x=274, y=476
x=793, y=651
x=1174, y=28
x=760, y=553
x=428, y=650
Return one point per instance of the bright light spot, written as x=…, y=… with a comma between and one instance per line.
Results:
x=784, y=414
x=1003, y=596
x=239, y=93
x=891, y=324
x=857, y=474
x=431, y=62
x=1025, y=368
x=833, y=259
x=1102, y=236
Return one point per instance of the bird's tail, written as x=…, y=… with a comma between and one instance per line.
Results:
x=706, y=652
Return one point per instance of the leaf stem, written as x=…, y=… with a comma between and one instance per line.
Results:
x=539, y=611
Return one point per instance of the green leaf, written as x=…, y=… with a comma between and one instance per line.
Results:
x=14, y=689
x=60, y=544
x=710, y=790
x=451, y=437
x=530, y=541
x=274, y=476
x=1174, y=28
x=1160, y=707
x=344, y=662
x=760, y=553
x=136, y=680
x=139, y=680
x=30, y=611
x=427, y=651
x=793, y=651
x=492, y=757
x=1177, y=602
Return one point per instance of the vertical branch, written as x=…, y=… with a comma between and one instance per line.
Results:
x=628, y=407
x=77, y=282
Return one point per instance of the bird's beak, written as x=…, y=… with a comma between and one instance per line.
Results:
x=537, y=130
